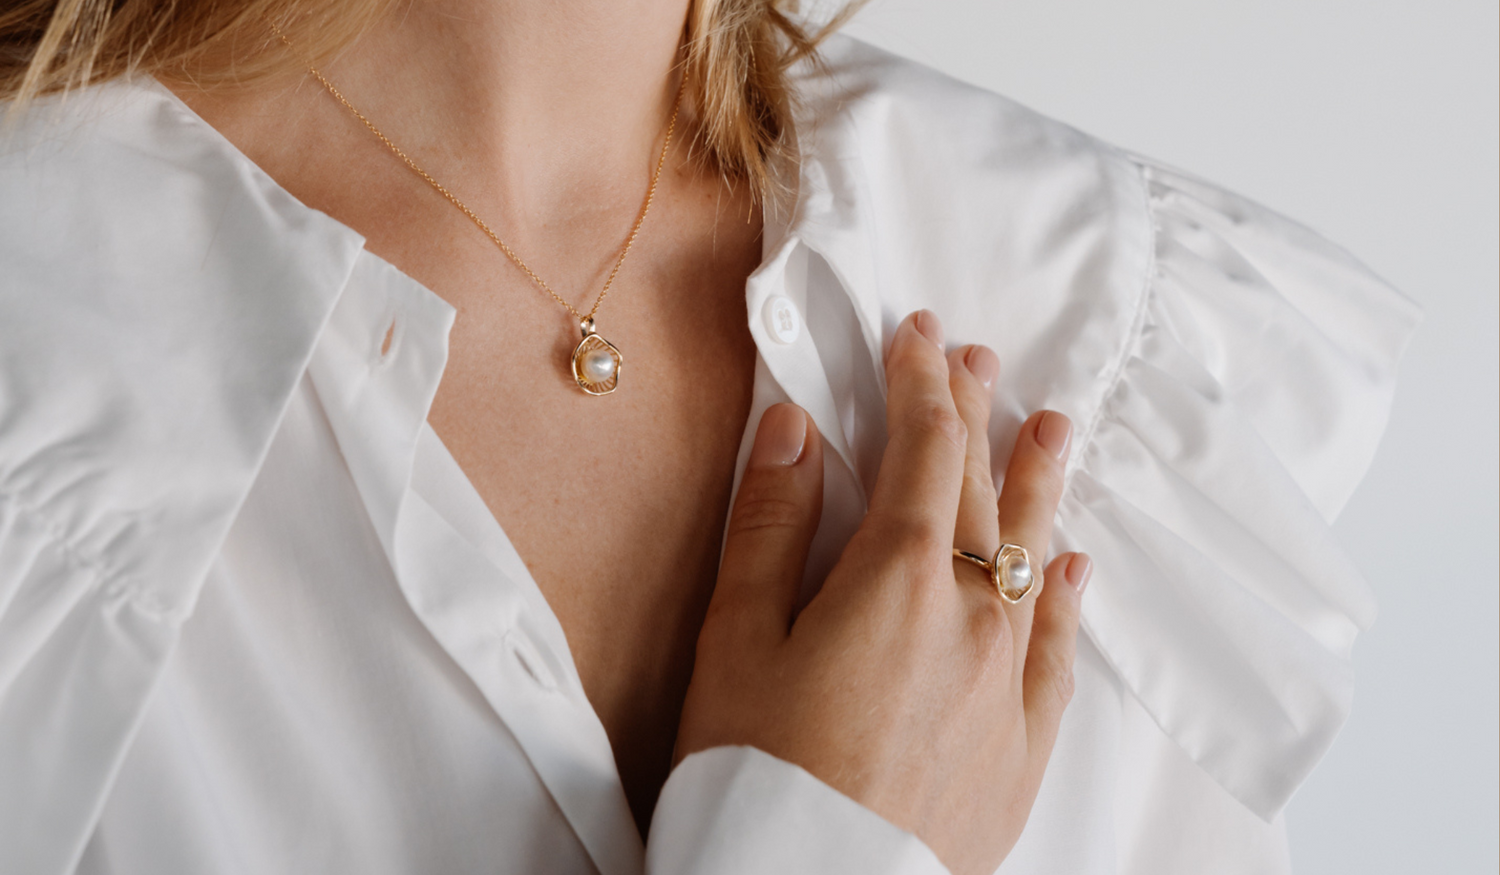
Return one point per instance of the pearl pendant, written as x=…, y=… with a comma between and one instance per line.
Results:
x=598, y=365
x=596, y=362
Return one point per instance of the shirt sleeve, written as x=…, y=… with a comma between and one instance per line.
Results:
x=740, y=811
x=1243, y=411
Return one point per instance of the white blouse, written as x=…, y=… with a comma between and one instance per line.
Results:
x=254, y=618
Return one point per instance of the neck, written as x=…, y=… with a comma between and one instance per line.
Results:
x=553, y=108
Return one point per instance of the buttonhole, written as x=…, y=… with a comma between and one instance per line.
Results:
x=385, y=345
x=531, y=661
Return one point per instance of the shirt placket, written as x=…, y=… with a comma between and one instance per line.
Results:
x=791, y=368
x=776, y=300
x=376, y=374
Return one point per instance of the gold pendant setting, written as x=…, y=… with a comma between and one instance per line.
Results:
x=596, y=362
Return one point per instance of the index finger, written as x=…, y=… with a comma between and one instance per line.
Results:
x=917, y=491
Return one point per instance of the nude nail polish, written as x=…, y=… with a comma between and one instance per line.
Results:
x=926, y=322
x=1080, y=569
x=780, y=438
x=983, y=364
x=1054, y=432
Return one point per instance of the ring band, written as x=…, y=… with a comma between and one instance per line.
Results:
x=1011, y=571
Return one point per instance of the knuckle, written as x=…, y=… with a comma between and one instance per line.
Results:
x=979, y=481
x=1066, y=606
x=1042, y=479
x=991, y=620
x=924, y=544
x=1035, y=497
x=994, y=639
x=764, y=510
x=991, y=614
x=1042, y=471
x=937, y=421
x=1057, y=684
x=920, y=554
x=1063, y=686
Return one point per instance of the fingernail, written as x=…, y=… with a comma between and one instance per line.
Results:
x=983, y=363
x=927, y=323
x=1054, y=431
x=1080, y=569
x=780, y=438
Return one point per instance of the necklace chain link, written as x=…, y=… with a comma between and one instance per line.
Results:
x=482, y=225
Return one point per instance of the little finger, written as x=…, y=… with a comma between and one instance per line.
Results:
x=1047, y=686
x=1028, y=502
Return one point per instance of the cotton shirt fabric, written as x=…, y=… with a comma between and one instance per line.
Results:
x=255, y=619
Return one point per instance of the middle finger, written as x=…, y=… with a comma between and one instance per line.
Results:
x=915, y=500
x=971, y=372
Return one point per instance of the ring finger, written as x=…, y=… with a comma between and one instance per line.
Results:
x=1028, y=502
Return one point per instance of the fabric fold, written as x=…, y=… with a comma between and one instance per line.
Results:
x=377, y=405
x=1228, y=372
x=113, y=500
x=1209, y=478
x=740, y=811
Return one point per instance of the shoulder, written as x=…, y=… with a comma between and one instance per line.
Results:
x=957, y=186
x=994, y=214
x=865, y=84
x=125, y=175
x=946, y=141
x=973, y=203
x=926, y=192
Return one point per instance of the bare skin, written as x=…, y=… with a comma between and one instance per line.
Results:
x=545, y=119
x=617, y=504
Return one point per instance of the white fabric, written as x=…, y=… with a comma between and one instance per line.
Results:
x=254, y=619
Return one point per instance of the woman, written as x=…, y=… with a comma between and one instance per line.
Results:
x=369, y=505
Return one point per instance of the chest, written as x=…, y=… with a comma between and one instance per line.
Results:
x=616, y=503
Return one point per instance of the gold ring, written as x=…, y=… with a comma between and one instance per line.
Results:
x=1011, y=571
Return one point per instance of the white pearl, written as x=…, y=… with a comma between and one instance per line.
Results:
x=598, y=365
x=1016, y=572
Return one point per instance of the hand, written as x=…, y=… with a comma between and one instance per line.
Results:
x=906, y=683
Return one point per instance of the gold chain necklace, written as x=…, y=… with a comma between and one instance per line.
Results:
x=595, y=362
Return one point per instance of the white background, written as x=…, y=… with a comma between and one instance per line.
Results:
x=1375, y=122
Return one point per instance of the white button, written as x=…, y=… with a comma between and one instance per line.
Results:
x=783, y=322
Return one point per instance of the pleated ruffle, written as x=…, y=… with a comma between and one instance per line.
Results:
x=1247, y=405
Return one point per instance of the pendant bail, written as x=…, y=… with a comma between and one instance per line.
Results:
x=587, y=325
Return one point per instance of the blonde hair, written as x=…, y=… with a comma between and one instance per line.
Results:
x=738, y=54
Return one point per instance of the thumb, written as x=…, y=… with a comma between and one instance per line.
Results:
x=770, y=529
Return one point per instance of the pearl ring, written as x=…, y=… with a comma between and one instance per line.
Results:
x=1011, y=570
